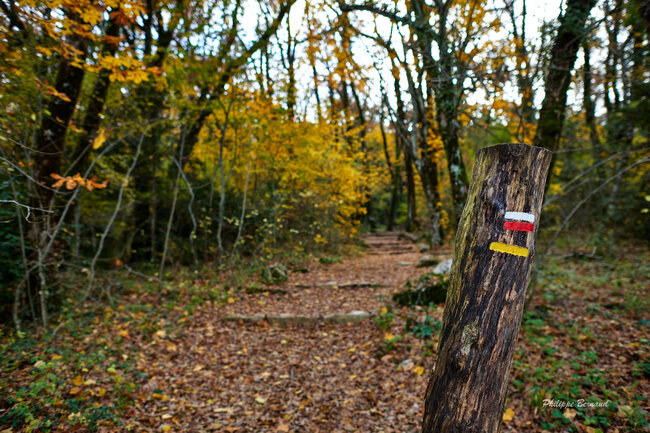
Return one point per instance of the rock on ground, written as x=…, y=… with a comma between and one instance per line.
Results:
x=443, y=267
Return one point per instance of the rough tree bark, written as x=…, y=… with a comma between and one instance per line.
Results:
x=491, y=269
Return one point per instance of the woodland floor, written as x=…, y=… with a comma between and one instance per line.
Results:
x=311, y=377
x=191, y=369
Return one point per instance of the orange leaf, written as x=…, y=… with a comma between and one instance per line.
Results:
x=70, y=184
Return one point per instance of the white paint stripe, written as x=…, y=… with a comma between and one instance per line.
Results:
x=520, y=216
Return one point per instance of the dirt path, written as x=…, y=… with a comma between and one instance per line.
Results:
x=232, y=376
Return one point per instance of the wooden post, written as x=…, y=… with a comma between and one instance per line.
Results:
x=494, y=252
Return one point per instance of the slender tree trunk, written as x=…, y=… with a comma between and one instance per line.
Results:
x=588, y=104
x=411, y=208
x=491, y=268
x=171, y=214
x=240, y=227
x=447, y=119
x=111, y=221
x=389, y=166
x=222, y=199
x=312, y=61
x=397, y=184
x=291, y=73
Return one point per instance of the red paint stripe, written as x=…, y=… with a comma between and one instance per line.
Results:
x=519, y=227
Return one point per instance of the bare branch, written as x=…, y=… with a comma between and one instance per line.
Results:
x=29, y=208
x=376, y=10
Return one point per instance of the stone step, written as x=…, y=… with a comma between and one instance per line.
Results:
x=299, y=319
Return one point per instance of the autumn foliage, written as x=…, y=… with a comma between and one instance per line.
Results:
x=152, y=139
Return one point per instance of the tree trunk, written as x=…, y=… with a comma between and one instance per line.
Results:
x=393, y=172
x=423, y=157
x=47, y=158
x=491, y=267
x=589, y=107
x=558, y=78
x=442, y=88
x=411, y=209
x=95, y=106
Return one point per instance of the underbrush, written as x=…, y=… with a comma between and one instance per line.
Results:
x=85, y=373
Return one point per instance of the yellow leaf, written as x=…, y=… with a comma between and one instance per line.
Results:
x=388, y=336
x=260, y=400
x=99, y=140
x=508, y=415
x=77, y=381
x=124, y=333
x=419, y=370
x=223, y=410
x=44, y=50
x=569, y=413
x=74, y=390
x=231, y=300
x=101, y=391
x=165, y=427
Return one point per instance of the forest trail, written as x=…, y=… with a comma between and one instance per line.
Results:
x=313, y=376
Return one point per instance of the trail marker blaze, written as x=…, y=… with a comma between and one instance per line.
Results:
x=509, y=249
x=518, y=227
x=519, y=222
x=520, y=216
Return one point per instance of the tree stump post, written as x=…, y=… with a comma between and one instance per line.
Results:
x=494, y=253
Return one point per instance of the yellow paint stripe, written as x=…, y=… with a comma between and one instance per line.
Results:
x=509, y=249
